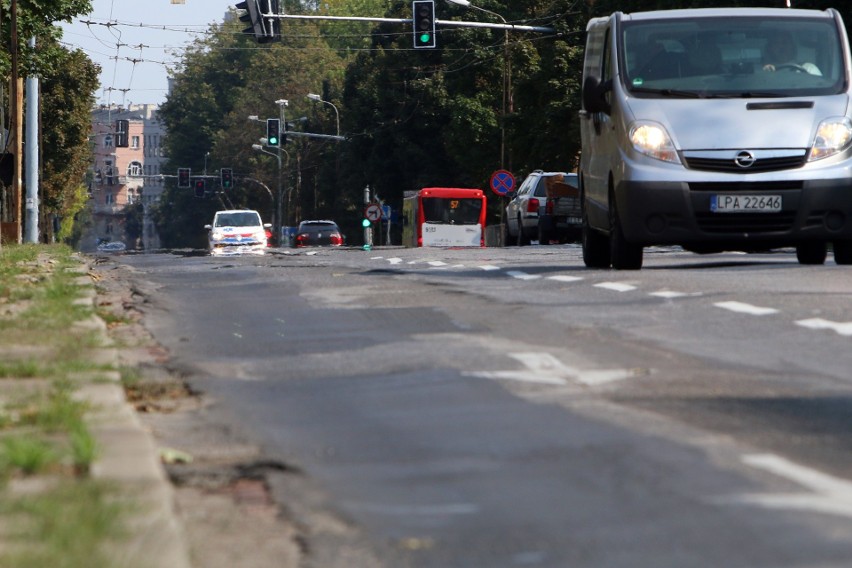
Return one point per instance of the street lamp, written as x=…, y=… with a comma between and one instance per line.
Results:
x=279, y=203
x=315, y=97
x=507, y=77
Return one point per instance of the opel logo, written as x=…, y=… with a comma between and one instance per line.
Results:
x=745, y=159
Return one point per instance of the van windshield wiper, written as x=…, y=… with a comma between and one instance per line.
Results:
x=749, y=95
x=671, y=92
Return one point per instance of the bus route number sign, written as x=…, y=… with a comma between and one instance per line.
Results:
x=502, y=182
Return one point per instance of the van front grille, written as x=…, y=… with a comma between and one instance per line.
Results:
x=745, y=222
x=760, y=165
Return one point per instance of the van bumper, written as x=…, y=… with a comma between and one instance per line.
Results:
x=679, y=213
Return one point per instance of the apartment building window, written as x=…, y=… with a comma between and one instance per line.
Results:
x=134, y=142
x=134, y=169
x=108, y=141
x=109, y=198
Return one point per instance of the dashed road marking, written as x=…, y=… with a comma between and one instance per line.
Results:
x=828, y=494
x=671, y=294
x=843, y=328
x=395, y=260
x=616, y=286
x=544, y=368
x=489, y=267
x=742, y=308
x=523, y=275
x=565, y=278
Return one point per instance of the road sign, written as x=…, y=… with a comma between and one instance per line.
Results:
x=502, y=182
x=373, y=212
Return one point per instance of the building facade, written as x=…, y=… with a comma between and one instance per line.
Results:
x=127, y=170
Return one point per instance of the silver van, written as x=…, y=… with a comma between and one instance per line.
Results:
x=716, y=129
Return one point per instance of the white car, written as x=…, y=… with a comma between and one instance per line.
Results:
x=236, y=231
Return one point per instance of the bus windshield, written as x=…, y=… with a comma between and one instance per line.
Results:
x=725, y=57
x=452, y=210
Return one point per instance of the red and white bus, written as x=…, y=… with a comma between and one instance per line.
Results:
x=444, y=217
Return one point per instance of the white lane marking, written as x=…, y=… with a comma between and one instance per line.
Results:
x=522, y=275
x=544, y=368
x=564, y=278
x=412, y=262
x=489, y=267
x=743, y=308
x=436, y=263
x=829, y=494
x=616, y=286
x=311, y=253
x=376, y=257
x=395, y=260
x=843, y=328
x=671, y=294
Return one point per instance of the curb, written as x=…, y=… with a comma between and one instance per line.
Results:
x=129, y=457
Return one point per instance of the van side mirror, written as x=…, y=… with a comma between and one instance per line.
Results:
x=593, y=95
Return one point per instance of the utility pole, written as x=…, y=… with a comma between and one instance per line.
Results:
x=32, y=156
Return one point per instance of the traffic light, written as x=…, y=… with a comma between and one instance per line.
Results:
x=366, y=223
x=264, y=29
x=183, y=178
x=273, y=131
x=423, y=23
x=121, y=133
x=226, y=178
x=200, y=185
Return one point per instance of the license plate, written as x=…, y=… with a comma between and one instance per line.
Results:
x=745, y=203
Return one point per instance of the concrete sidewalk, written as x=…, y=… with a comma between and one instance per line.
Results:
x=129, y=457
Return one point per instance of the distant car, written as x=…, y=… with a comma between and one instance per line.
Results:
x=237, y=230
x=317, y=234
x=112, y=246
x=521, y=223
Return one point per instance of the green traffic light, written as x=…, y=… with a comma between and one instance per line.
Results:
x=425, y=38
x=273, y=141
x=365, y=223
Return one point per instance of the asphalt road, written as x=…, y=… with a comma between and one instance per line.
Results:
x=509, y=407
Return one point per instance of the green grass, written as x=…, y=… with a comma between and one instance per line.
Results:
x=66, y=527
x=43, y=428
x=27, y=455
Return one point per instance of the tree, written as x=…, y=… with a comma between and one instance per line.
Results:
x=68, y=89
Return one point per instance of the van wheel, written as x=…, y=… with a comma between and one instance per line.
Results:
x=523, y=240
x=624, y=255
x=595, y=245
x=811, y=252
x=842, y=252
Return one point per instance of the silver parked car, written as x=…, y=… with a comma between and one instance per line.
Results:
x=521, y=224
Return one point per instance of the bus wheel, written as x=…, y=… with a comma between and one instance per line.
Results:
x=811, y=252
x=623, y=255
x=842, y=252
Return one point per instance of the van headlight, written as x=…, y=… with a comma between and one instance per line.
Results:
x=833, y=136
x=651, y=139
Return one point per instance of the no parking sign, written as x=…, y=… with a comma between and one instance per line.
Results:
x=502, y=182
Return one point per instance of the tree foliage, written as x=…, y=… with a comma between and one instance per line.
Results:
x=68, y=80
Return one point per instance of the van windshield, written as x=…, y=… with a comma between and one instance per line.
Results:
x=732, y=57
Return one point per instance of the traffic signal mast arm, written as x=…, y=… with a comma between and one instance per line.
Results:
x=448, y=23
